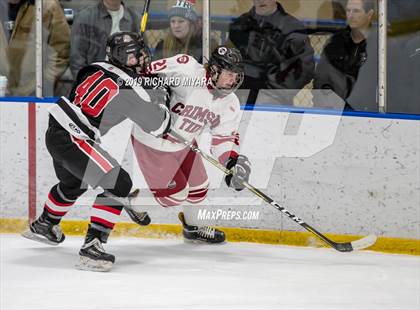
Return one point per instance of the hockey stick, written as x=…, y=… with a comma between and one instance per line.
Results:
x=339, y=246
x=144, y=17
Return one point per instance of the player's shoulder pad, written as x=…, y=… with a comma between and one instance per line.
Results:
x=121, y=78
x=96, y=66
x=86, y=70
x=184, y=62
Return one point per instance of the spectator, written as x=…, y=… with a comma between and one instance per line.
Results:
x=346, y=52
x=184, y=33
x=275, y=48
x=403, y=63
x=91, y=28
x=17, y=41
x=403, y=56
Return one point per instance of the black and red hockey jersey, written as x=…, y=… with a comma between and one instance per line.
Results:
x=102, y=97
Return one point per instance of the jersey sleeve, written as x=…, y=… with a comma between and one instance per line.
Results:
x=225, y=136
x=151, y=117
x=177, y=66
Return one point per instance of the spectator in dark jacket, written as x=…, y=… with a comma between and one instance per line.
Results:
x=346, y=52
x=91, y=28
x=403, y=60
x=275, y=48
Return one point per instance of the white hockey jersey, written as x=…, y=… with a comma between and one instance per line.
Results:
x=194, y=107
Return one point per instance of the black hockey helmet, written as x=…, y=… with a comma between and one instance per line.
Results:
x=120, y=44
x=226, y=58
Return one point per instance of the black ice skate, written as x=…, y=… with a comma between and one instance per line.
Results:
x=203, y=234
x=42, y=230
x=92, y=255
x=141, y=218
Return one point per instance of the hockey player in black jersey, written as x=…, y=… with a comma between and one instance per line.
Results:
x=97, y=102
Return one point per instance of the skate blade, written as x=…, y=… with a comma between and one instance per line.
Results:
x=201, y=242
x=86, y=263
x=28, y=234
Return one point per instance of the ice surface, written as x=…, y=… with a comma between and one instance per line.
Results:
x=169, y=274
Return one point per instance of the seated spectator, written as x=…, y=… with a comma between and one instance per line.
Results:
x=276, y=50
x=91, y=28
x=17, y=41
x=346, y=52
x=184, y=34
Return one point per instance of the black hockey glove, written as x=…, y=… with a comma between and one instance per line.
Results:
x=241, y=169
x=161, y=95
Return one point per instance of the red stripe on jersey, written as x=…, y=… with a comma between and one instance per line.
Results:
x=107, y=209
x=196, y=195
x=168, y=202
x=197, y=191
x=91, y=152
x=105, y=223
x=58, y=213
x=233, y=134
x=195, y=199
x=221, y=141
x=59, y=204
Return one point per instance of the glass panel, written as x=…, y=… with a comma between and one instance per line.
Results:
x=175, y=27
x=403, y=56
x=273, y=41
x=283, y=46
x=349, y=61
x=56, y=78
x=17, y=48
x=91, y=23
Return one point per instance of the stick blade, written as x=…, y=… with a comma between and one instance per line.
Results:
x=356, y=245
x=364, y=242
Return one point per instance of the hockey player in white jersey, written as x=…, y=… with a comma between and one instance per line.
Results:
x=202, y=97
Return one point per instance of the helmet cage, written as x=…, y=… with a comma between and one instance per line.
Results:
x=230, y=59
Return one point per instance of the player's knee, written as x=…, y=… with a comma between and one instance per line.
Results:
x=117, y=182
x=173, y=199
x=198, y=193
